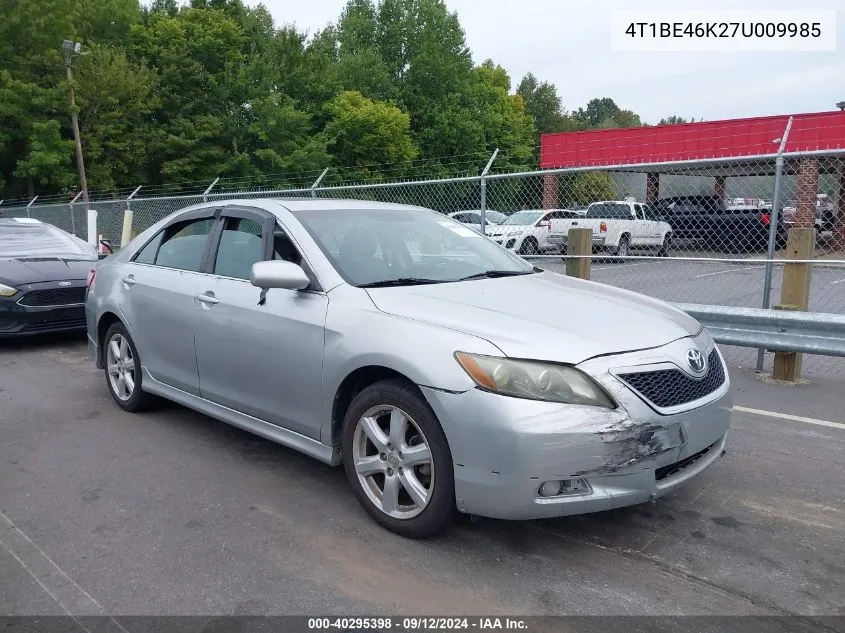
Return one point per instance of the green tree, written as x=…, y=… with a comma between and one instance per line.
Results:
x=363, y=134
x=117, y=98
x=48, y=160
x=674, y=120
x=604, y=113
x=587, y=187
x=502, y=117
x=544, y=105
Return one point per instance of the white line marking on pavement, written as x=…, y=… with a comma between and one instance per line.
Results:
x=72, y=598
x=838, y=282
x=722, y=272
x=794, y=418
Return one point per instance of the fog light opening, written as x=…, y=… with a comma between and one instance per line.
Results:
x=550, y=489
x=559, y=488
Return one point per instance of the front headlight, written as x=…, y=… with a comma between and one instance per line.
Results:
x=7, y=291
x=534, y=380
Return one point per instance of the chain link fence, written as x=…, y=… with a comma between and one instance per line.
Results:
x=708, y=232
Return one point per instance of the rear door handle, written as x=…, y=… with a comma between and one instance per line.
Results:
x=207, y=298
x=129, y=280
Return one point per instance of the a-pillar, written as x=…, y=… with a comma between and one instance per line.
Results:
x=808, y=189
x=652, y=187
x=550, y=191
x=720, y=187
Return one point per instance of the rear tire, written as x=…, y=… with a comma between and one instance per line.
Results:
x=665, y=246
x=624, y=248
x=397, y=460
x=122, y=367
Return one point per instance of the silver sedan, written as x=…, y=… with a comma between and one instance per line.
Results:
x=443, y=372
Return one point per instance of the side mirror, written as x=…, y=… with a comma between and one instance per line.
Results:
x=278, y=274
x=108, y=246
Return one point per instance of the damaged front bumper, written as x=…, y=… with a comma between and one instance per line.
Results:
x=505, y=449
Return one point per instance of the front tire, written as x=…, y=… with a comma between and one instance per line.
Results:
x=398, y=461
x=123, y=370
x=529, y=247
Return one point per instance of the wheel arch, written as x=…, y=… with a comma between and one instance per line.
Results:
x=107, y=319
x=355, y=382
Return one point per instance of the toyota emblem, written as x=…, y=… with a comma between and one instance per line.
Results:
x=695, y=360
x=64, y=283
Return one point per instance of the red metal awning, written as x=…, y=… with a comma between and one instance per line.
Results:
x=693, y=141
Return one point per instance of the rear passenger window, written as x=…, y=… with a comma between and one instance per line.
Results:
x=183, y=245
x=240, y=247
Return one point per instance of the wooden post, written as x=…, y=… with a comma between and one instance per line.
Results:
x=795, y=295
x=579, y=242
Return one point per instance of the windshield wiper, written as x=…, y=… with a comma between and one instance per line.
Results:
x=491, y=274
x=401, y=281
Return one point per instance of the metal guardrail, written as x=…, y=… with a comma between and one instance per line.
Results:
x=773, y=330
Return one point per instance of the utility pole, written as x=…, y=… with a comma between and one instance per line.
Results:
x=71, y=49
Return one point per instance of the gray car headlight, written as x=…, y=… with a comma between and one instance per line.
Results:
x=534, y=380
x=7, y=291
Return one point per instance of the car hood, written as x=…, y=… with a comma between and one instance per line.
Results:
x=544, y=316
x=508, y=231
x=29, y=270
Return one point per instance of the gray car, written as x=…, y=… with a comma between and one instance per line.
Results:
x=443, y=372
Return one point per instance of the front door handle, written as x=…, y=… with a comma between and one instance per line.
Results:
x=207, y=298
x=129, y=280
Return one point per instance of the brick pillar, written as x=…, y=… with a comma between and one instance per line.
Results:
x=720, y=187
x=808, y=188
x=652, y=188
x=839, y=209
x=550, y=191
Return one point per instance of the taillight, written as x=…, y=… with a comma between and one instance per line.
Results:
x=603, y=227
x=91, y=274
x=765, y=218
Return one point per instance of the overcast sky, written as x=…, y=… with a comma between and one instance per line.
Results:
x=567, y=42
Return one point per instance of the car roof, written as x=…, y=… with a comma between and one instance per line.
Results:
x=327, y=204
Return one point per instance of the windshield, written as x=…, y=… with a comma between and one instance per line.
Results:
x=22, y=237
x=373, y=245
x=522, y=218
x=495, y=216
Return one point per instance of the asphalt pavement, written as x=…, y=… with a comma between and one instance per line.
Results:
x=170, y=512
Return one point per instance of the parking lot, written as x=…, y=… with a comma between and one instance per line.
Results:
x=171, y=512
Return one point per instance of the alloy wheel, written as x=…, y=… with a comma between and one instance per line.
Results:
x=121, y=367
x=393, y=462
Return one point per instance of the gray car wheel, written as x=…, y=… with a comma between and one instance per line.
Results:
x=623, y=250
x=398, y=461
x=529, y=247
x=123, y=369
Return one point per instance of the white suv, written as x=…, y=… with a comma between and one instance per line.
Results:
x=527, y=232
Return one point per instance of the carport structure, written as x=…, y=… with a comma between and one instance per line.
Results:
x=811, y=145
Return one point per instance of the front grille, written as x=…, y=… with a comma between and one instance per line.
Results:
x=667, y=388
x=63, y=324
x=53, y=297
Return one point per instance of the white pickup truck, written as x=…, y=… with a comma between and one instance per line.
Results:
x=619, y=226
